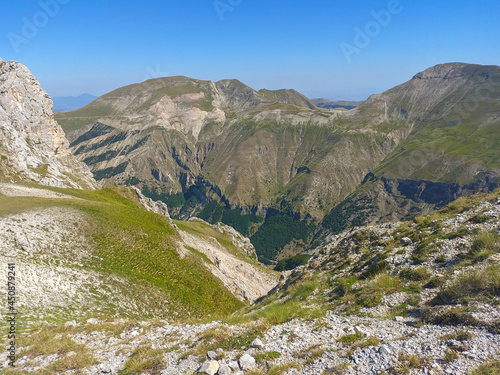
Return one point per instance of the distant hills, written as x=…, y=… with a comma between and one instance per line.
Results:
x=71, y=103
x=325, y=103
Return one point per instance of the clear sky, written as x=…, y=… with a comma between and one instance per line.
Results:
x=322, y=48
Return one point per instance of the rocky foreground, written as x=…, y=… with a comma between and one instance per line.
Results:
x=333, y=344
x=423, y=299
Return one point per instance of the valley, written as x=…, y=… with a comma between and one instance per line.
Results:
x=145, y=227
x=225, y=152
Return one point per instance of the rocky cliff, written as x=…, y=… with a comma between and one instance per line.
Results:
x=33, y=146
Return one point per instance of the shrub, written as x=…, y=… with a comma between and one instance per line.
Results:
x=144, y=359
x=304, y=289
x=407, y=362
x=435, y=282
x=351, y=338
x=450, y=355
x=414, y=299
x=292, y=262
x=461, y=232
x=484, y=244
x=413, y=287
x=494, y=327
x=453, y=317
x=377, y=267
x=377, y=288
x=479, y=218
x=481, y=284
x=267, y=356
x=282, y=311
x=415, y=274
x=226, y=340
x=343, y=285
x=490, y=368
x=440, y=258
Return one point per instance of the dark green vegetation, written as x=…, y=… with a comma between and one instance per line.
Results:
x=268, y=235
x=348, y=213
x=277, y=231
x=292, y=262
x=243, y=223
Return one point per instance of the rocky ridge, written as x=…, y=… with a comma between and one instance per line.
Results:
x=32, y=145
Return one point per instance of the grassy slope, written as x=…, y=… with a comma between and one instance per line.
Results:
x=139, y=246
x=460, y=131
x=356, y=274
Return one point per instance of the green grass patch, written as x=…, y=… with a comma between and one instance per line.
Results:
x=484, y=244
x=490, y=368
x=144, y=360
x=483, y=284
x=139, y=247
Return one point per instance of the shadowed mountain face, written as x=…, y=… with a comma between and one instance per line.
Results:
x=190, y=142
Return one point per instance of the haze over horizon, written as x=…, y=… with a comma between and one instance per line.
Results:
x=322, y=49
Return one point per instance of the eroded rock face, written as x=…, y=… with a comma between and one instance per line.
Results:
x=33, y=146
x=158, y=207
x=244, y=279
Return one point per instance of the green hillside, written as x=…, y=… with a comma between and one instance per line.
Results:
x=134, y=251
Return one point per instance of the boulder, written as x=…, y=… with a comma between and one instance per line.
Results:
x=224, y=370
x=257, y=343
x=247, y=362
x=209, y=368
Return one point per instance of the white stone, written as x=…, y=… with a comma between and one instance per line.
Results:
x=224, y=370
x=247, y=362
x=257, y=343
x=211, y=354
x=385, y=350
x=234, y=365
x=209, y=368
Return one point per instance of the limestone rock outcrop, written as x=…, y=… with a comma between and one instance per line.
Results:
x=33, y=147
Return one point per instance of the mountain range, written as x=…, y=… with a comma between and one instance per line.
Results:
x=325, y=103
x=75, y=245
x=106, y=281
x=262, y=160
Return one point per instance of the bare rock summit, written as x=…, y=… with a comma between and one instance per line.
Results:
x=33, y=147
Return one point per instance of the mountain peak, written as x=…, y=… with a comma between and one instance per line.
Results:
x=454, y=70
x=33, y=145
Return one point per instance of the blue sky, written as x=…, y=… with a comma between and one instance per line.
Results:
x=315, y=46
